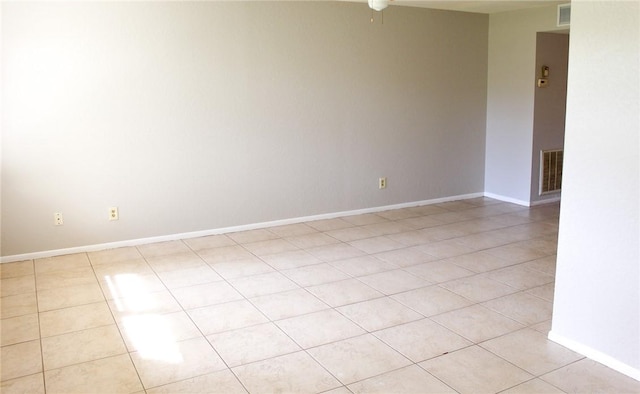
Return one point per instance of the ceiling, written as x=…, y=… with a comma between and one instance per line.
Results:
x=478, y=6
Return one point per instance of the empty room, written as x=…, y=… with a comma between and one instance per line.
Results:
x=382, y=196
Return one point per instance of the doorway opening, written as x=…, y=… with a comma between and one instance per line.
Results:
x=552, y=60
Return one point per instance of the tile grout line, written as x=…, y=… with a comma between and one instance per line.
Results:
x=35, y=280
x=115, y=322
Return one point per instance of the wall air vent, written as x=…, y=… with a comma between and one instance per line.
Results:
x=564, y=14
x=551, y=171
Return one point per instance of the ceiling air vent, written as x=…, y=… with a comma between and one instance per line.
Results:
x=564, y=14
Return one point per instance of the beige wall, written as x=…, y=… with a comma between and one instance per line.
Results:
x=191, y=116
x=510, y=100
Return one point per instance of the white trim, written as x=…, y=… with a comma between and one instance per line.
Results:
x=595, y=355
x=545, y=201
x=508, y=199
x=233, y=229
x=522, y=202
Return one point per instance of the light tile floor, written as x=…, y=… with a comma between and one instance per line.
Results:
x=452, y=297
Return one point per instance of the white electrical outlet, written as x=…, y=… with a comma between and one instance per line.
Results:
x=57, y=219
x=113, y=213
x=382, y=183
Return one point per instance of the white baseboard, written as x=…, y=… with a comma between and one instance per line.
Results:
x=545, y=201
x=522, y=202
x=508, y=199
x=595, y=355
x=233, y=229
